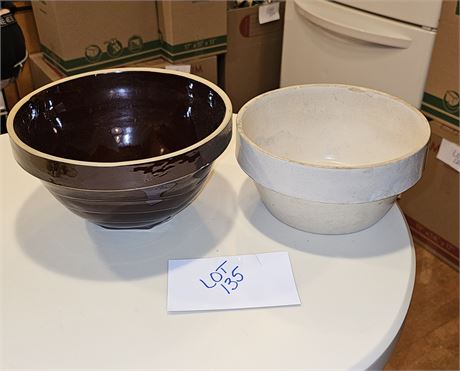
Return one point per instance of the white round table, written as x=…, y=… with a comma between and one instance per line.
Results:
x=75, y=295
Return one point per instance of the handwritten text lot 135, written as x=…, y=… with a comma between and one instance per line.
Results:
x=231, y=282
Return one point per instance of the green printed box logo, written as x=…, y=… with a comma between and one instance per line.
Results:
x=450, y=101
x=93, y=53
x=443, y=107
x=135, y=43
x=111, y=53
x=114, y=48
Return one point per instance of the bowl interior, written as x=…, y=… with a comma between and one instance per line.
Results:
x=334, y=126
x=119, y=116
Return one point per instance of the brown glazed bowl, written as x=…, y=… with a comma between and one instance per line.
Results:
x=123, y=148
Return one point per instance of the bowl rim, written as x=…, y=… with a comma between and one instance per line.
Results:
x=14, y=137
x=247, y=105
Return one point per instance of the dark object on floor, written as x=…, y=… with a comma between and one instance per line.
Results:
x=13, y=47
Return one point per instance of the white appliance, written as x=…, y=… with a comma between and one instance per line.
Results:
x=379, y=44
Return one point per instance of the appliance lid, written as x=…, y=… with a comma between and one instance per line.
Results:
x=419, y=12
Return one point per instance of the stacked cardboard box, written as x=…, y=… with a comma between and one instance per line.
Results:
x=432, y=205
x=80, y=36
x=441, y=97
x=192, y=28
x=43, y=72
x=252, y=64
x=203, y=66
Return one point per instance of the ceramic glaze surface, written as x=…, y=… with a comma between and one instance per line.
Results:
x=119, y=116
x=135, y=208
x=340, y=127
x=324, y=218
x=325, y=156
x=125, y=148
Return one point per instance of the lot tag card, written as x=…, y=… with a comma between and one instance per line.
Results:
x=269, y=12
x=449, y=153
x=231, y=282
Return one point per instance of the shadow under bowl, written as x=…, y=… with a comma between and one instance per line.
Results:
x=123, y=148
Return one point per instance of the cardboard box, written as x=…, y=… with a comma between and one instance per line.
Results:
x=43, y=73
x=205, y=67
x=440, y=100
x=192, y=28
x=82, y=36
x=252, y=64
x=432, y=205
x=25, y=18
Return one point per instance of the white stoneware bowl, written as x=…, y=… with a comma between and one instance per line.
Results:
x=330, y=159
